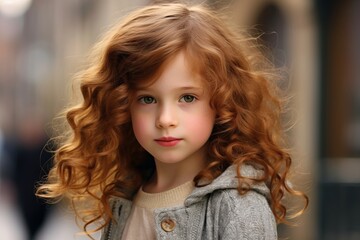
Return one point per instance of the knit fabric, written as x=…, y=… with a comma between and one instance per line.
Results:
x=170, y=198
x=213, y=212
x=142, y=212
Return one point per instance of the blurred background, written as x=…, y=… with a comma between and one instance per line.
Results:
x=44, y=42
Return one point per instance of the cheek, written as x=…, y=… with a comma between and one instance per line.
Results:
x=140, y=126
x=201, y=126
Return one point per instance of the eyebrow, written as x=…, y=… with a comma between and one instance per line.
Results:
x=176, y=89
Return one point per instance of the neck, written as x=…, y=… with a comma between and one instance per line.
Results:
x=168, y=176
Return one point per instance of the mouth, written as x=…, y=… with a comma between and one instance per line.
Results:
x=167, y=141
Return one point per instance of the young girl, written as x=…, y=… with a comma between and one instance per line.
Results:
x=178, y=135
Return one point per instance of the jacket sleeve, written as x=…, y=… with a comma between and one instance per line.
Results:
x=246, y=217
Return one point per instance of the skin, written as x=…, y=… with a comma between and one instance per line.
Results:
x=172, y=120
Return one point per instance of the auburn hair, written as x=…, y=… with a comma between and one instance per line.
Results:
x=101, y=157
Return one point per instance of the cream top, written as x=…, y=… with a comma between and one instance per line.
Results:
x=141, y=223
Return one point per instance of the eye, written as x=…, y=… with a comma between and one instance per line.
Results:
x=187, y=98
x=147, y=100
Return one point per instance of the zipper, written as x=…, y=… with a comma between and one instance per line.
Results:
x=110, y=227
x=108, y=236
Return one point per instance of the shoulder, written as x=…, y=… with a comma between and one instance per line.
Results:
x=248, y=215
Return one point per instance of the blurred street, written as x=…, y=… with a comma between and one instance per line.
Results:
x=60, y=225
x=43, y=43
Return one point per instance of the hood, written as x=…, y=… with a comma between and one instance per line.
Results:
x=228, y=180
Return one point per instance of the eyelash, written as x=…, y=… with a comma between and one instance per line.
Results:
x=193, y=98
x=144, y=99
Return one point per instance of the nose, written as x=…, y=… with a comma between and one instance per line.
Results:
x=166, y=117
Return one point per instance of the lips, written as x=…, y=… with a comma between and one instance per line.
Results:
x=167, y=141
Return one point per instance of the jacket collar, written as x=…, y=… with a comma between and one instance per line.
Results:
x=228, y=180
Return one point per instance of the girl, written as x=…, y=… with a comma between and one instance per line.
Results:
x=178, y=135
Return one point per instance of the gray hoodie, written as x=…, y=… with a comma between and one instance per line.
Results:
x=213, y=212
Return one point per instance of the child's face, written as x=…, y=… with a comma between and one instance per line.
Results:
x=172, y=118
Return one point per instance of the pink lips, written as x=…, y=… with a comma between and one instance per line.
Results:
x=167, y=141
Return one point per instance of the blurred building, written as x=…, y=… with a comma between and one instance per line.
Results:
x=41, y=48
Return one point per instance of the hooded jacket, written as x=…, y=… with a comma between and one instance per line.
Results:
x=213, y=212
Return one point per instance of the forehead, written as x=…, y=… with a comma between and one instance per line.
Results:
x=177, y=72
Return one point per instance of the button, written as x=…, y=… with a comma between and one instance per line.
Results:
x=168, y=225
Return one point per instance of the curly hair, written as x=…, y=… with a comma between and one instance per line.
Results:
x=101, y=157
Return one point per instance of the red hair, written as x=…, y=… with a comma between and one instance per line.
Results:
x=101, y=158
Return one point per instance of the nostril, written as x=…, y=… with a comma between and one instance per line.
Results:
x=166, y=122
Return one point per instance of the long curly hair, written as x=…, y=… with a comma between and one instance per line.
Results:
x=101, y=157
